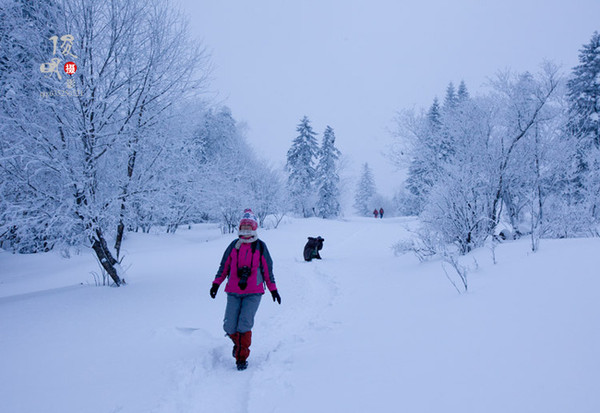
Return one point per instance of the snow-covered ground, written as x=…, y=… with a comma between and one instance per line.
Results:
x=360, y=331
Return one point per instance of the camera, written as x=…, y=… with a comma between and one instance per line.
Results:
x=243, y=274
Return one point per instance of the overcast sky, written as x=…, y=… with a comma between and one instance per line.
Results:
x=352, y=64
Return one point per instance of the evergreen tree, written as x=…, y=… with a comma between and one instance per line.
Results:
x=463, y=94
x=451, y=99
x=584, y=124
x=434, y=116
x=328, y=179
x=365, y=191
x=584, y=94
x=425, y=164
x=300, y=166
x=444, y=142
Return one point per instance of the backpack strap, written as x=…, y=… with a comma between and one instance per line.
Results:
x=258, y=244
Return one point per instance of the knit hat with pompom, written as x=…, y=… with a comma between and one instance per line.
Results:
x=248, y=218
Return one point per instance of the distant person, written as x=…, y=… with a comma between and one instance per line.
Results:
x=380, y=213
x=375, y=212
x=247, y=265
x=312, y=248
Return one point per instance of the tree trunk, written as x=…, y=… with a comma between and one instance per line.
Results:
x=119, y=240
x=513, y=211
x=124, y=196
x=536, y=222
x=106, y=259
x=98, y=241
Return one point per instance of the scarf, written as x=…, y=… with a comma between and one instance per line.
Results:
x=246, y=237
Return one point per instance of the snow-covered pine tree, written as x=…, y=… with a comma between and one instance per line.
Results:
x=328, y=180
x=445, y=141
x=434, y=116
x=584, y=93
x=462, y=94
x=425, y=164
x=451, y=99
x=365, y=191
x=453, y=111
x=584, y=112
x=433, y=145
x=300, y=166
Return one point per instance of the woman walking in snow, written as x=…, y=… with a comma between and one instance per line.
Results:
x=247, y=265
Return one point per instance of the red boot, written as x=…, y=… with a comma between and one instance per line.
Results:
x=243, y=349
x=235, y=337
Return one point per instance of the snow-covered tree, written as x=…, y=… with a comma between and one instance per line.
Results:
x=584, y=94
x=216, y=136
x=524, y=101
x=327, y=177
x=462, y=94
x=268, y=192
x=300, y=166
x=488, y=157
x=365, y=191
x=457, y=207
x=78, y=144
x=24, y=29
x=228, y=170
x=163, y=86
x=451, y=99
x=175, y=193
x=584, y=125
x=426, y=133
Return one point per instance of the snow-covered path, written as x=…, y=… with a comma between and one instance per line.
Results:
x=359, y=331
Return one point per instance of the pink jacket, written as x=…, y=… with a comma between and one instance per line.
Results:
x=253, y=255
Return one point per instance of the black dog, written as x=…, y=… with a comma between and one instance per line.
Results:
x=312, y=248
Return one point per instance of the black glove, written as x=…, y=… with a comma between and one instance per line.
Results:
x=276, y=296
x=213, y=290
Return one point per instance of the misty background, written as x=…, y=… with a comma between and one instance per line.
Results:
x=352, y=64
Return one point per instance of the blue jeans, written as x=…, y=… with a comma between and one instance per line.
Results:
x=240, y=312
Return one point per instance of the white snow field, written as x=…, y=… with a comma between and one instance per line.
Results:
x=359, y=331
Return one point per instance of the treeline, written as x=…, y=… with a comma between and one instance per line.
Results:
x=525, y=155
x=128, y=140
